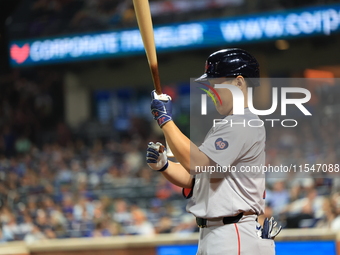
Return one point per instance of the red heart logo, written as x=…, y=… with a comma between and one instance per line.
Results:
x=18, y=54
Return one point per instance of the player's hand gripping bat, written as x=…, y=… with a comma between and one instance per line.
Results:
x=143, y=15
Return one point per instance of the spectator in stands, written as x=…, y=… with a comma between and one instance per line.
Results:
x=115, y=229
x=328, y=215
x=164, y=226
x=101, y=229
x=156, y=211
x=73, y=226
x=278, y=197
x=49, y=233
x=26, y=226
x=34, y=235
x=42, y=220
x=140, y=224
x=10, y=229
x=58, y=223
x=79, y=175
x=187, y=225
x=304, y=212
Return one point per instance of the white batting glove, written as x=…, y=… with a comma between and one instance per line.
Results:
x=162, y=97
x=156, y=157
x=270, y=229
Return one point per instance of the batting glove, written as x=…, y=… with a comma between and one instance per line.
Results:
x=156, y=157
x=270, y=229
x=161, y=108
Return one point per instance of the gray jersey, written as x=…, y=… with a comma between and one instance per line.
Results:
x=237, y=146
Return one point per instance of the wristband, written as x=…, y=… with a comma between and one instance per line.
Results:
x=164, y=167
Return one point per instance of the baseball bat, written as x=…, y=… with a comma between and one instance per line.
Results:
x=143, y=15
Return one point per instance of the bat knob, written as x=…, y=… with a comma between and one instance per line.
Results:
x=161, y=149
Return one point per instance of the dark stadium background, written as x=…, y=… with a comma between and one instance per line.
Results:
x=73, y=134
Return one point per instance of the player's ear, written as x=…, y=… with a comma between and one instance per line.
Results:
x=240, y=82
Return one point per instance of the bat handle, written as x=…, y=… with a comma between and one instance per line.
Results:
x=155, y=77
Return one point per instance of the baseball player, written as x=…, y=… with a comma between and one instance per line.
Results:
x=226, y=207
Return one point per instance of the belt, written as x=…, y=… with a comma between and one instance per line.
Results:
x=203, y=223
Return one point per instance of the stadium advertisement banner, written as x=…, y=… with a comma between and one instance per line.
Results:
x=322, y=20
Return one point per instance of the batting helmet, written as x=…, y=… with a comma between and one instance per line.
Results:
x=231, y=63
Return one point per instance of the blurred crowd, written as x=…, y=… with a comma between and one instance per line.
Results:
x=31, y=107
x=81, y=191
x=53, y=17
x=57, y=184
x=309, y=194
